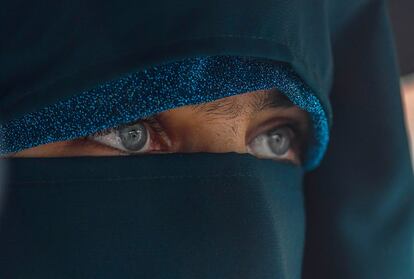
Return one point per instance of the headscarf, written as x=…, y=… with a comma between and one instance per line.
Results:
x=121, y=61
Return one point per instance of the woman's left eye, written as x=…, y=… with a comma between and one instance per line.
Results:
x=278, y=143
x=129, y=138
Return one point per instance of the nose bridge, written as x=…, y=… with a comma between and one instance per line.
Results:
x=218, y=136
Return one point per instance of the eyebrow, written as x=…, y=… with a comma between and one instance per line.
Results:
x=272, y=99
x=230, y=109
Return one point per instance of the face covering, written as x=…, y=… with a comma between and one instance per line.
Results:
x=155, y=216
x=68, y=71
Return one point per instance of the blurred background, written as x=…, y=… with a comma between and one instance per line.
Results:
x=407, y=87
x=402, y=19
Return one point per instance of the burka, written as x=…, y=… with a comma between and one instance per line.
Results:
x=70, y=69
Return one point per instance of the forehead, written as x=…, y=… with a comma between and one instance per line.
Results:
x=250, y=102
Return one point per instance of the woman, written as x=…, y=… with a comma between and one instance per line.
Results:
x=103, y=73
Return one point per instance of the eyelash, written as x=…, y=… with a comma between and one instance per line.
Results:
x=297, y=138
x=157, y=136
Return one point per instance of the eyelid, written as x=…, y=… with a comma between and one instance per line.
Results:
x=275, y=123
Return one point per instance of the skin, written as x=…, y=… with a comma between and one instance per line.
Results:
x=225, y=125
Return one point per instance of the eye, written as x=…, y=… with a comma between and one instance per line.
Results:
x=277, y=143
x=138, y=137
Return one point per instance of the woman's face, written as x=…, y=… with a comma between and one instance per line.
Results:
x=263, y=123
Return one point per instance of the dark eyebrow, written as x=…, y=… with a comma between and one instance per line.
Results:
x=229, y=109
x=272, y=99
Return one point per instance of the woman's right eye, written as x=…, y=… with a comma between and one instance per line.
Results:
x=137, y=137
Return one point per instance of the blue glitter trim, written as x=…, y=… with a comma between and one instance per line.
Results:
x=162, y=87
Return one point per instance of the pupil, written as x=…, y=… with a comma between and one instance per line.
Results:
x=133, y=137
x=279, y=141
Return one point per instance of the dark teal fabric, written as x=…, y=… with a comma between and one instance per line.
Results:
x=359, y=203
x=162, y=87
x=157, y=216
x=55, y=49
